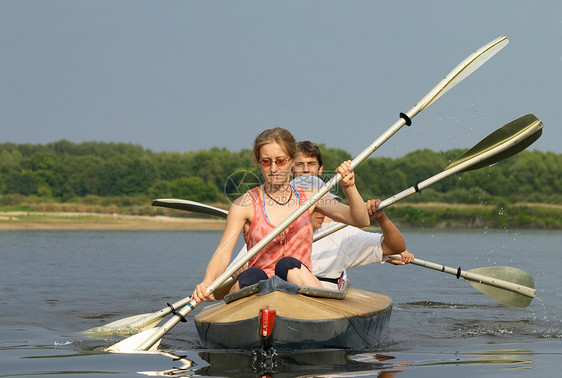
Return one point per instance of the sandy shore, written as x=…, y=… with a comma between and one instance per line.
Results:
x=94, y=221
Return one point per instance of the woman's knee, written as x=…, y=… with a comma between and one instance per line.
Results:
x=284, y=265
x=251, y=276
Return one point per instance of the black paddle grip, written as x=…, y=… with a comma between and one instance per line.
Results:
x=406, y=118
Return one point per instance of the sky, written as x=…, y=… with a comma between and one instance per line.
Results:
x=191, y=75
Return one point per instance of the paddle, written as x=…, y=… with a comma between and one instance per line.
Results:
x=147, y=339
x=503, y=143
x=506, y=285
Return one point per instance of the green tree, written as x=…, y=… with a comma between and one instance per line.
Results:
x=194, y=189
x=24, y=182
x=63, y=170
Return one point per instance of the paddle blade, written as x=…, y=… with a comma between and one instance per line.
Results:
x=503, y=296
x=133, y=343
x=126, y=326
x=192, y=206
x=513, y=138
x=465, y=68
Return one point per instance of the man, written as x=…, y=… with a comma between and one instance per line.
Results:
x=351, y=246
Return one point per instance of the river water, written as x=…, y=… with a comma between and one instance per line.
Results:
x=56, y=284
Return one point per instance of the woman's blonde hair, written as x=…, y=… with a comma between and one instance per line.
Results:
x=279, y=135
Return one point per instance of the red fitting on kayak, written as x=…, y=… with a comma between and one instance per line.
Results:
x=267, y=319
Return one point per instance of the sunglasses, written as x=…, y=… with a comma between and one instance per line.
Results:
x=279, y=162
x=301, y=164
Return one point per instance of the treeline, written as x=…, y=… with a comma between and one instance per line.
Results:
x=65, y=171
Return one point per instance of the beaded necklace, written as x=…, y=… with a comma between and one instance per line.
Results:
x=274, y=200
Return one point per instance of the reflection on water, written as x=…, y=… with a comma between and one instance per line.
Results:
x=288, y=364
x=335, y=363
x=297, y=363
x=503, y=356
x=185, y=369
x=511, y=358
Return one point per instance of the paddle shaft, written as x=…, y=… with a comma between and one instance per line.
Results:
x=465, y=68
x=519, y=289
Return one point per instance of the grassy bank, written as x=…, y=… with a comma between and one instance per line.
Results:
x=438, y=215
x=99, y=213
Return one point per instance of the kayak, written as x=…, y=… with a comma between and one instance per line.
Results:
x=276, y=314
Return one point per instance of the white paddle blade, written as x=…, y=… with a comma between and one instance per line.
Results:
x=510, y=298
x=465, y=68
x=132, y=344
x=126, y=326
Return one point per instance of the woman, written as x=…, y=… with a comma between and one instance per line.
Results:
x=259, y=210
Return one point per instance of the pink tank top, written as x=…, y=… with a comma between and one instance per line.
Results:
x=294, y=241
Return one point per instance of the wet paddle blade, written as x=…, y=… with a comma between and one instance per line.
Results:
x=516, y=135
x=126, y=326
x=503, y=296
